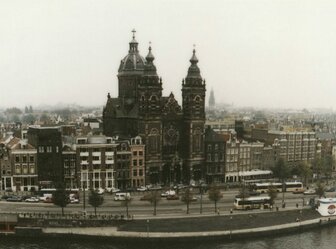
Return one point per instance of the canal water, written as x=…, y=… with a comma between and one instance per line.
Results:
x=319, y=238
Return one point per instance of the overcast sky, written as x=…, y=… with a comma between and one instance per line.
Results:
x=252, y=53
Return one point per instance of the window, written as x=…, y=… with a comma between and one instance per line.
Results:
x=83, y=150
x=140, y=162
x=109, y=149
x=41, y=149
x=209, y=147
x=31, y=159
x=135, y=153
x=49, y=149
x=134, y=173
x=17, y=169
x=140, y=172
x=96, y=150
x=134, y=162
x=140, y=153
x=95, y=158
x=25, y=169
x=17, y=159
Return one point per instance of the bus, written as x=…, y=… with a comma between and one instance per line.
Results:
x=287, y=187
x=255, y=202
x=48, y=192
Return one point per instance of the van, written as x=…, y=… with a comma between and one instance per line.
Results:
x=122, y=196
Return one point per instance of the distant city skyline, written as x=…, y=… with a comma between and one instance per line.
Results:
x=274, y=54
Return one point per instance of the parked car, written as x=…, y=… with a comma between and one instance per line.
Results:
x=141, y=189
x=121, y=196
x=332, y=189
x=74, y=200
x=14, y=199
x=32, y=199
x=48, y=200
x=309, y=192
x=298, y=191
x=100, y=191
x=112, y=190
x=167, y=193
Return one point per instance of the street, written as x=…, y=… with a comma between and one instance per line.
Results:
x=140, y=208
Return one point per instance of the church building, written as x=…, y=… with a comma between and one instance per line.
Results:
x=173, y=135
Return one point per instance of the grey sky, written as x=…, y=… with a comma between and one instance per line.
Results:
x=252, y=53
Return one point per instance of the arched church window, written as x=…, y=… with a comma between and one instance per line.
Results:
x=154, y=140
x=197, y=139
x=153, y=98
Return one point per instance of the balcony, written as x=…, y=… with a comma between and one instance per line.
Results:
x=109, y=161
x=96, y=162
x=84, y=154
x=96, y=154
x=84, y=162
x=109, y=153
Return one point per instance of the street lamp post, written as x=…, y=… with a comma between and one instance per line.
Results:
x=201, y=201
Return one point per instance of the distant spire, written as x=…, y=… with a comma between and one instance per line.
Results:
x=212, y=101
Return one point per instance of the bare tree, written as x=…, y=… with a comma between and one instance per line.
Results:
x=95, y=200
x=187, y=197
x=126, y=203
x=215, y=195
x=154, y=197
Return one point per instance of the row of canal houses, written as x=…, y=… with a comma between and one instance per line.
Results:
x=44, y=156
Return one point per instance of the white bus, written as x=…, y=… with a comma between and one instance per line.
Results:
x=288, y=186
x=255, y=202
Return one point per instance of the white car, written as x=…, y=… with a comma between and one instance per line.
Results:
x=112, y=190
x=141, y=189
x=32, y=199
x=74, y=201
x=168, y=193
x=310, y=192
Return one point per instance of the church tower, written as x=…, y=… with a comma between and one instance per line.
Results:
x=193, y=105
x=120, y=114
x=150, y=119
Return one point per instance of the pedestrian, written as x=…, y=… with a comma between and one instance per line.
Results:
x=297, y=205
x=218, y=211
x=231, y=211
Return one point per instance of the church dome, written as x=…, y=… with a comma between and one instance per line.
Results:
x=133, y=62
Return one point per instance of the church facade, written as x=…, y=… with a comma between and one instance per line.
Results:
x=173, y=135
